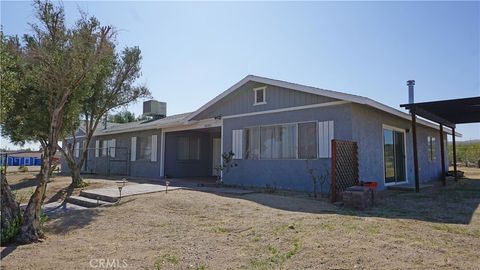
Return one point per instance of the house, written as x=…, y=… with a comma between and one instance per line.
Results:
x=273, y=127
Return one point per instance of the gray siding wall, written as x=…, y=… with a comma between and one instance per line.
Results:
x=242, y=100
x=137, y=168
x=121, y=163
x=368, y=132
x=64, y=165
x=189, y=168
x=284, y=174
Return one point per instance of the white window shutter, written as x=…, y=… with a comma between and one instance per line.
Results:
x=330, y=137
x=153, y=153
x=237, y=143
x=113, y=143
x=325, y=137
x=77, y=149
x=97, y=148
x=133, y=149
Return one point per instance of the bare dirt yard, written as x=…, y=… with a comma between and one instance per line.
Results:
x=23, y=185
x=438, y=228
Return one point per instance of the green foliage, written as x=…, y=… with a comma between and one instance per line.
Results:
x=23, y=168
x=228, y=163
x=122, y=117
x=43, y=220
x=49, y=72
x=467, y=152
x=7, y=234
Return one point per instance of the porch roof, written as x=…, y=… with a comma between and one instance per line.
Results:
x=448, y=112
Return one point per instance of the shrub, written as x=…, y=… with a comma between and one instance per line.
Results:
x=7, y=234
x=23, y=168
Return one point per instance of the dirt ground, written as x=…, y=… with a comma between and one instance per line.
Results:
x=438, y=228
x=23, y=185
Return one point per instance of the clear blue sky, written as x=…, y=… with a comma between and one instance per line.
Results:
x=193, y=51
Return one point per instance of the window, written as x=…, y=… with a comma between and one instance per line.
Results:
x=252, y=143
x=307, y=140
x=431, y=148
x=286, y=141
x=259, y=95
x=278, y=142
x=105, y=147
x=188, y=148
x=144, y=148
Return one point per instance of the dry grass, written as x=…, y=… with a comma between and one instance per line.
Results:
x=436, y=229
x=23, y=185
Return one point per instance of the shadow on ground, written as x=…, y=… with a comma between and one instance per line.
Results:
x=25, y=183
x=65, y=222
x=456, y=203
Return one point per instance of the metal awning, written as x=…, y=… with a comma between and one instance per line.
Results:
x=448, y=112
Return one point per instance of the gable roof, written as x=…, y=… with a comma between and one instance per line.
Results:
x=312, y=90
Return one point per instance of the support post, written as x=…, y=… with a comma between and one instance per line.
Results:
x=415, y=150
x=334, y=169
x=442, y=152
x=454, y=155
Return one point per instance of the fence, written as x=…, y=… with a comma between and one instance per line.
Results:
x=344, y=166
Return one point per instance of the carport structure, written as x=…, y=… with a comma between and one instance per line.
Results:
x=447, y=113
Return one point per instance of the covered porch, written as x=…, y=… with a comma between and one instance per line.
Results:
x=192, y=153
x=447, y=113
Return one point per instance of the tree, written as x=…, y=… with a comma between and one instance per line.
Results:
x=122, y=117
x=10, y=74
x=55, y=66
x=114, y=89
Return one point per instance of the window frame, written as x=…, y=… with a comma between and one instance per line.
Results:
x=138, y=148
x=296, y=141
x=255, y=90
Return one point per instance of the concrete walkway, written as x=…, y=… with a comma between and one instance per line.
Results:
x=112, y=194
x=57, y=208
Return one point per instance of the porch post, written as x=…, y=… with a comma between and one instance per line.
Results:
x=454, y=155
x=415, y=154
x=442, y=151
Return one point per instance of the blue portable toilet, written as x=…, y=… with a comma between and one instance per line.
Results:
x=37, y=161
x=10, y=161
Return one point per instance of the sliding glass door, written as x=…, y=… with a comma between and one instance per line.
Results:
x=394, y=155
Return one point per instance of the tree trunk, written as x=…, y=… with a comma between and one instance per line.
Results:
x=30, y=230
x=77, y=180
x=10, y=212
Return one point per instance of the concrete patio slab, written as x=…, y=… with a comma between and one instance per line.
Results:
x=86, y=202
x=408, y=187
x=111, y=194
x=225, y=190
